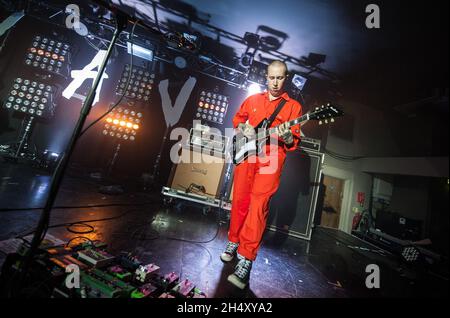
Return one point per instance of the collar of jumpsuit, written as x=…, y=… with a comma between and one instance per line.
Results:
x=271, y=105
x=284, y=96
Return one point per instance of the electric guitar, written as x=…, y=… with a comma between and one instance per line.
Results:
x=243, y=147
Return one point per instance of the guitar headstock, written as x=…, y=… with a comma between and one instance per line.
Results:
x=325, y=113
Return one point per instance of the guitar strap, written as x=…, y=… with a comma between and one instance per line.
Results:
x=275, y=113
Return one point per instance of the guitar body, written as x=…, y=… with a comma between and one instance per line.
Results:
x=244, y=147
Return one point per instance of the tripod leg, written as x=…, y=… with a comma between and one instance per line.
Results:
x=25, y=136
x=113, y=160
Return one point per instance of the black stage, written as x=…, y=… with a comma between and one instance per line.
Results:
x=186, y=239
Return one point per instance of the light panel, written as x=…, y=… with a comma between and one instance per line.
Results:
x=212, y=107
x=49, y=55
x=140, y=85
x=31, y=97
x=123, y=123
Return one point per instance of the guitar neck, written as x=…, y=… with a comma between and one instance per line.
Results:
x=273, y=130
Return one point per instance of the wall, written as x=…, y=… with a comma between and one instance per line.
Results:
x=375, y=137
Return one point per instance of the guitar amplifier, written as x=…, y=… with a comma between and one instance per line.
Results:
x=310, y=143
x=293, y=206
x=197, y=173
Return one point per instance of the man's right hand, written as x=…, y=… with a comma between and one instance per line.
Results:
x=247, y=130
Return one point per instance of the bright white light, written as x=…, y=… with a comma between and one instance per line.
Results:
x=299, y=81
x=140, y=51
x=253, y=89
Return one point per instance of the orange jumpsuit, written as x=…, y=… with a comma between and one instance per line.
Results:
x=253, y=190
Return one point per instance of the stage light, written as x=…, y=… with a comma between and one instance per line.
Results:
x=212, y=107
x=252, y=39
x=257, y=73
x=246, y=60
x=410, y=254
x=183, y=40
x=315, y=59
x=140, y=51
x=180, y=62
x=122, y=123
x=48, y=160
x=253, y=89
x=299, y=81
x=31, y=97
x=140, y=86
x=49, y=55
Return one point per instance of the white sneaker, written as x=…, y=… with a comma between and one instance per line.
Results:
x=241, y=275
x=230, y=252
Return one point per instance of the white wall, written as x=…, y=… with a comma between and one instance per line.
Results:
x=355, y=181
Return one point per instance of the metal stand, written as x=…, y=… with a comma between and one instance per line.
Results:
x=23, y=144
x=156, y=166
x=121, y=22
x=111, y=189
x=113, y=160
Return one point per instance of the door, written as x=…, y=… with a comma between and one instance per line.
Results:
x=332, y=202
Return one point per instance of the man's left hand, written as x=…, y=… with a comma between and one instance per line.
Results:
x=285, y=133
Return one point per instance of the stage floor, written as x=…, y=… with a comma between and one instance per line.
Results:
x=184, y=238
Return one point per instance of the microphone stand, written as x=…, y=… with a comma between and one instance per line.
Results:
x=121, y=23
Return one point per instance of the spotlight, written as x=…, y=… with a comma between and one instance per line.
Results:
x=48, y=160
x=49, y=55
x=257, y=73
x=123, y=123
x=212, y=107
x=270, y=39
x=251, y=39
x=246, y=60
x=180, y=62
x=410, y=254
x=253, y=89
x=315, y=59
x=140, y=51
x=31, y=97
x=299, y=81
x=184, y=41
x=140, y=86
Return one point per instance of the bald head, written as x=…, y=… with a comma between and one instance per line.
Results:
x=278, y=64
x=276, y=77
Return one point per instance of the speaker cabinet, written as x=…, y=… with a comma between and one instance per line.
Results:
x=292, y=208
x=197, y=173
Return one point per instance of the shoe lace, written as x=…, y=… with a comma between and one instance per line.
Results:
x=231, y=248
x=243, y=268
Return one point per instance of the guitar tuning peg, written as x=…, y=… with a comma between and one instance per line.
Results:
x=317, y=108
x=332, y=120
x=326, y=121
x=328, y=104
x=320, y=122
